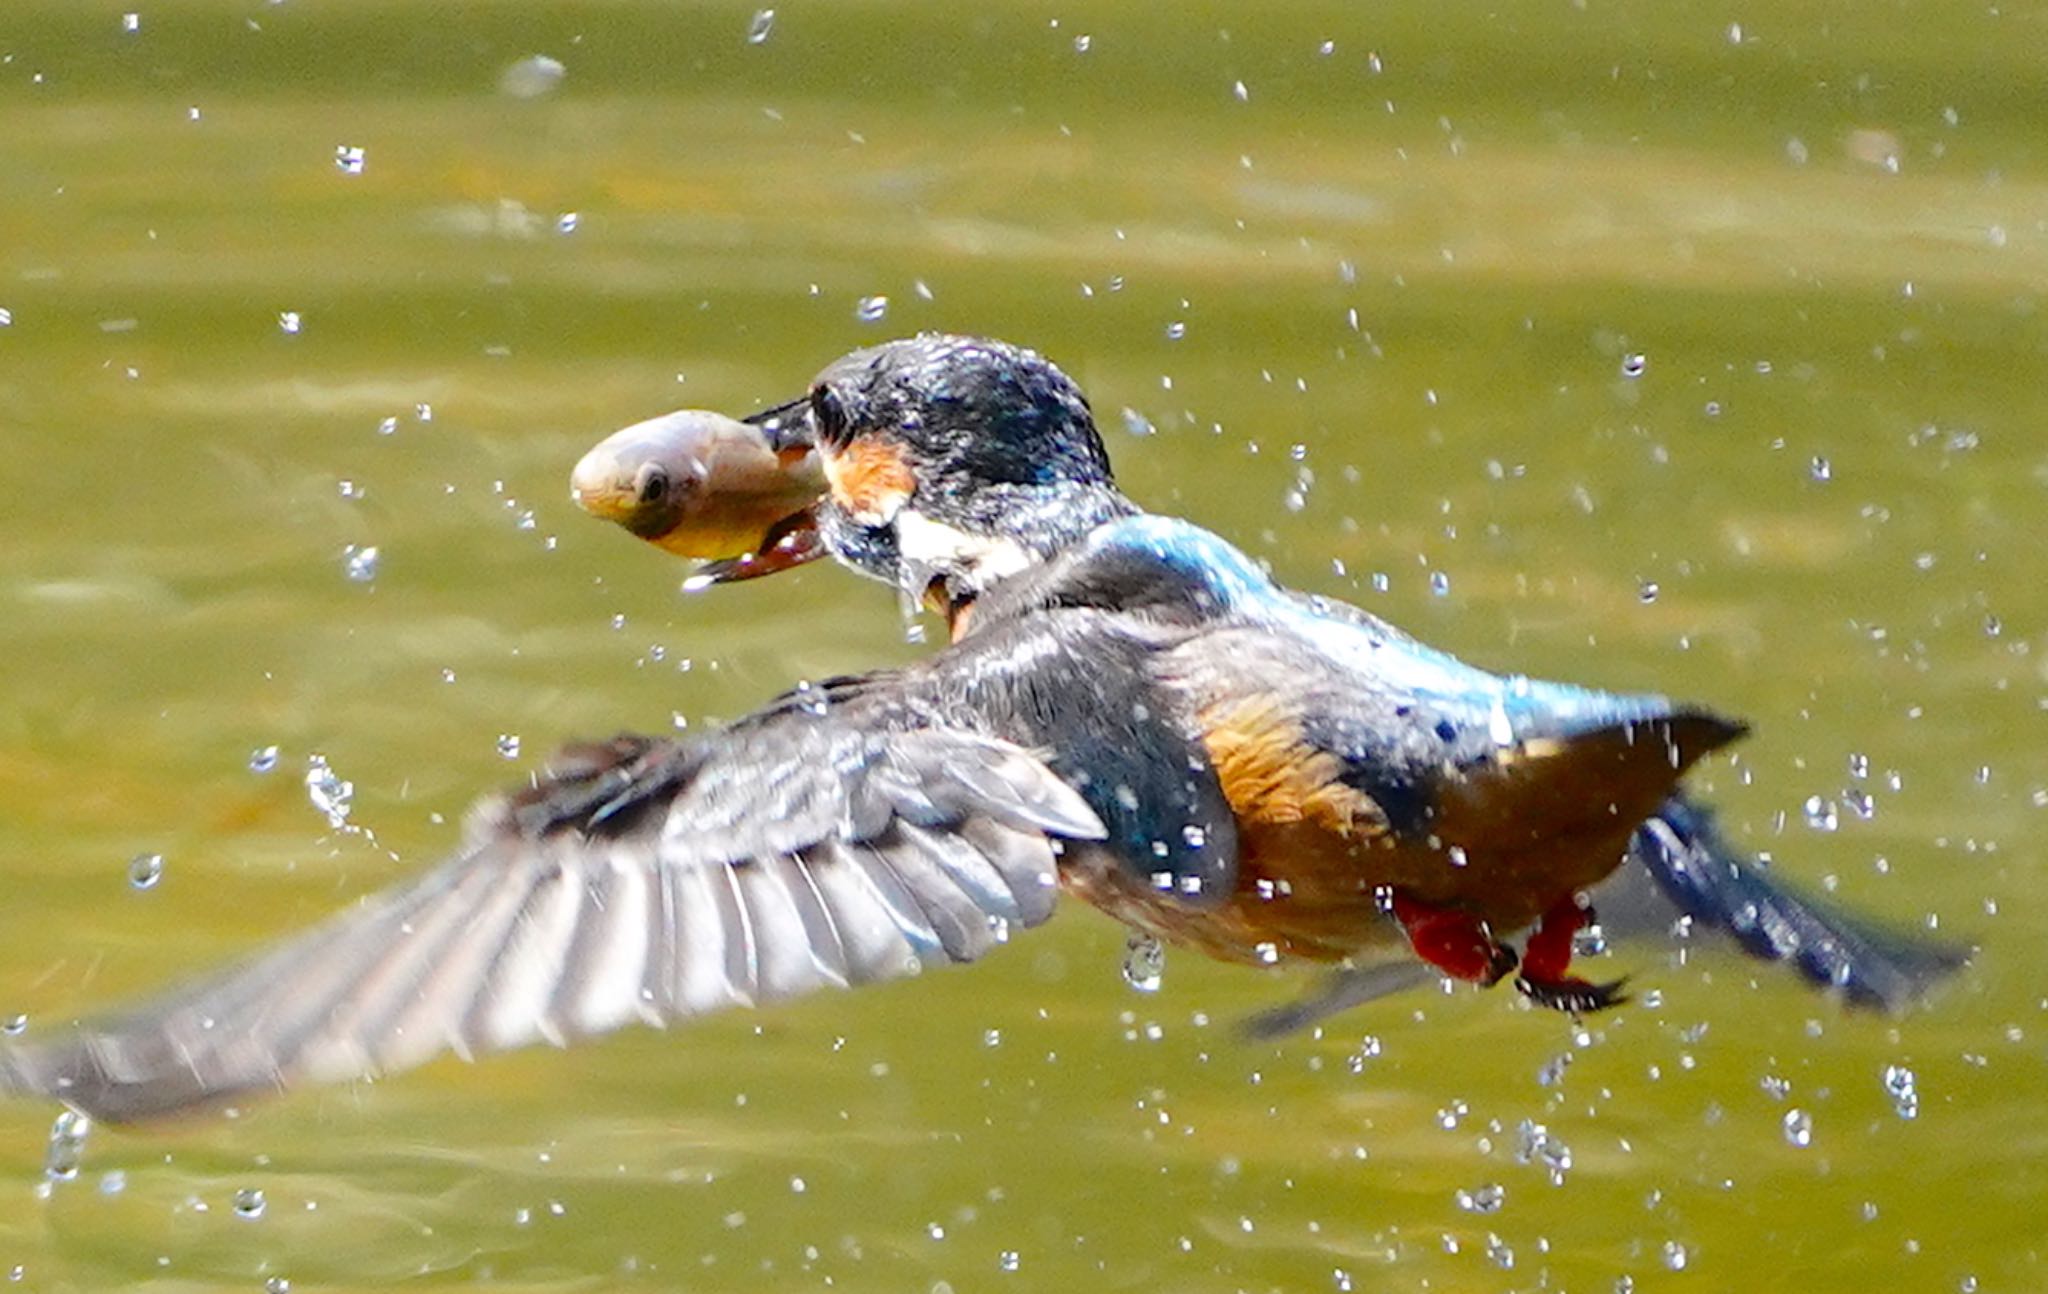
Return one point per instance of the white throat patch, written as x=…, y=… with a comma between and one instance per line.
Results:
x=930, y=546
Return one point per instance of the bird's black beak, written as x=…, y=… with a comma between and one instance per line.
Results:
x=786, y=427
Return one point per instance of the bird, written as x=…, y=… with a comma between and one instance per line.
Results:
x=1128, y=709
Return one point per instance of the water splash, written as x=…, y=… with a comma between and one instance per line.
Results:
x=1797, y=1126
x=359, y=562
x=531, y=77
x=1902, y=1088
x=145, y=870
x=66, y=1150
x=1144, y=963
x=1483, y=1199
x=328, y=792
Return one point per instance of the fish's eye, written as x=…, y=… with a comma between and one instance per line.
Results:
x=828, y=412
x=652, y=486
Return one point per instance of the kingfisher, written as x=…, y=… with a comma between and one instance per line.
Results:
x=1129, y=709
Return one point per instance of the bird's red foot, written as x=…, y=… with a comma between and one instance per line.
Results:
x=1454, y=941
x=1547, y=959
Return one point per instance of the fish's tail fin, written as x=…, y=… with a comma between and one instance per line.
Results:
x=1721, y=888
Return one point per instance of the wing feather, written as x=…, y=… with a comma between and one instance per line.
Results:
x=642, y=881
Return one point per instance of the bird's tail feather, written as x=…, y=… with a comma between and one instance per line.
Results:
x=1725, y=890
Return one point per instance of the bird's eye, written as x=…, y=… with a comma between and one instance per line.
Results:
x=829, y=413
x=653, y=483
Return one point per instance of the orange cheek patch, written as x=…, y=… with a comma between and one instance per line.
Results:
x=869, y=478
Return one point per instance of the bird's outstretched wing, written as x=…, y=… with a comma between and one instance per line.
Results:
x=639, y=880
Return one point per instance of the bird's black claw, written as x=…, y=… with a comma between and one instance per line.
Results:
x=1575, y=995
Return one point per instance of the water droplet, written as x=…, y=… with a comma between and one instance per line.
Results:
x=288, y=322
x=423, y=412
x=1451, y=1115
x=1899, y=1085
x=1176, y=330
x=1535, y=1145
x=1798, y=1127
x=1082, y=44
x=277, y=1285
x=1820, y=813
x=359, y=562
x=566, y=222
x=145, y=870
x=131, y=22
x=1647, y=591
x=1368, y=1051
x=871, y=309
x=349, y=160
x=1676, y=1256
x=1137, y=424
x=113, y=1182
x=1439, y=584
x=6, y=318
x=761, y=27
x=1859, y=802
x=1634, y=364
x=14, y=1026
x=249, y=1203
x=1242, y=91
x=1589, y=941
x=1484, y=1199
x=531, y=77
x=1499, y=1252
x=1859, y=765
x=508, y=745
x=68, y=1133
x=1820, y=469
x=328, y=792
x=1734, y=33
x=1144, y=963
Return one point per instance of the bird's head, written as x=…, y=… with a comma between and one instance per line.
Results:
x=953, y=462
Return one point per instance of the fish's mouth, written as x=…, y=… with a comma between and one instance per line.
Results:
x=791, y=542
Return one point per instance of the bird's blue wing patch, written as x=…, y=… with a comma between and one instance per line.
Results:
x=1442, y=689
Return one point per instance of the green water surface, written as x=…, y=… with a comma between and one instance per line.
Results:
x=1358, y=285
